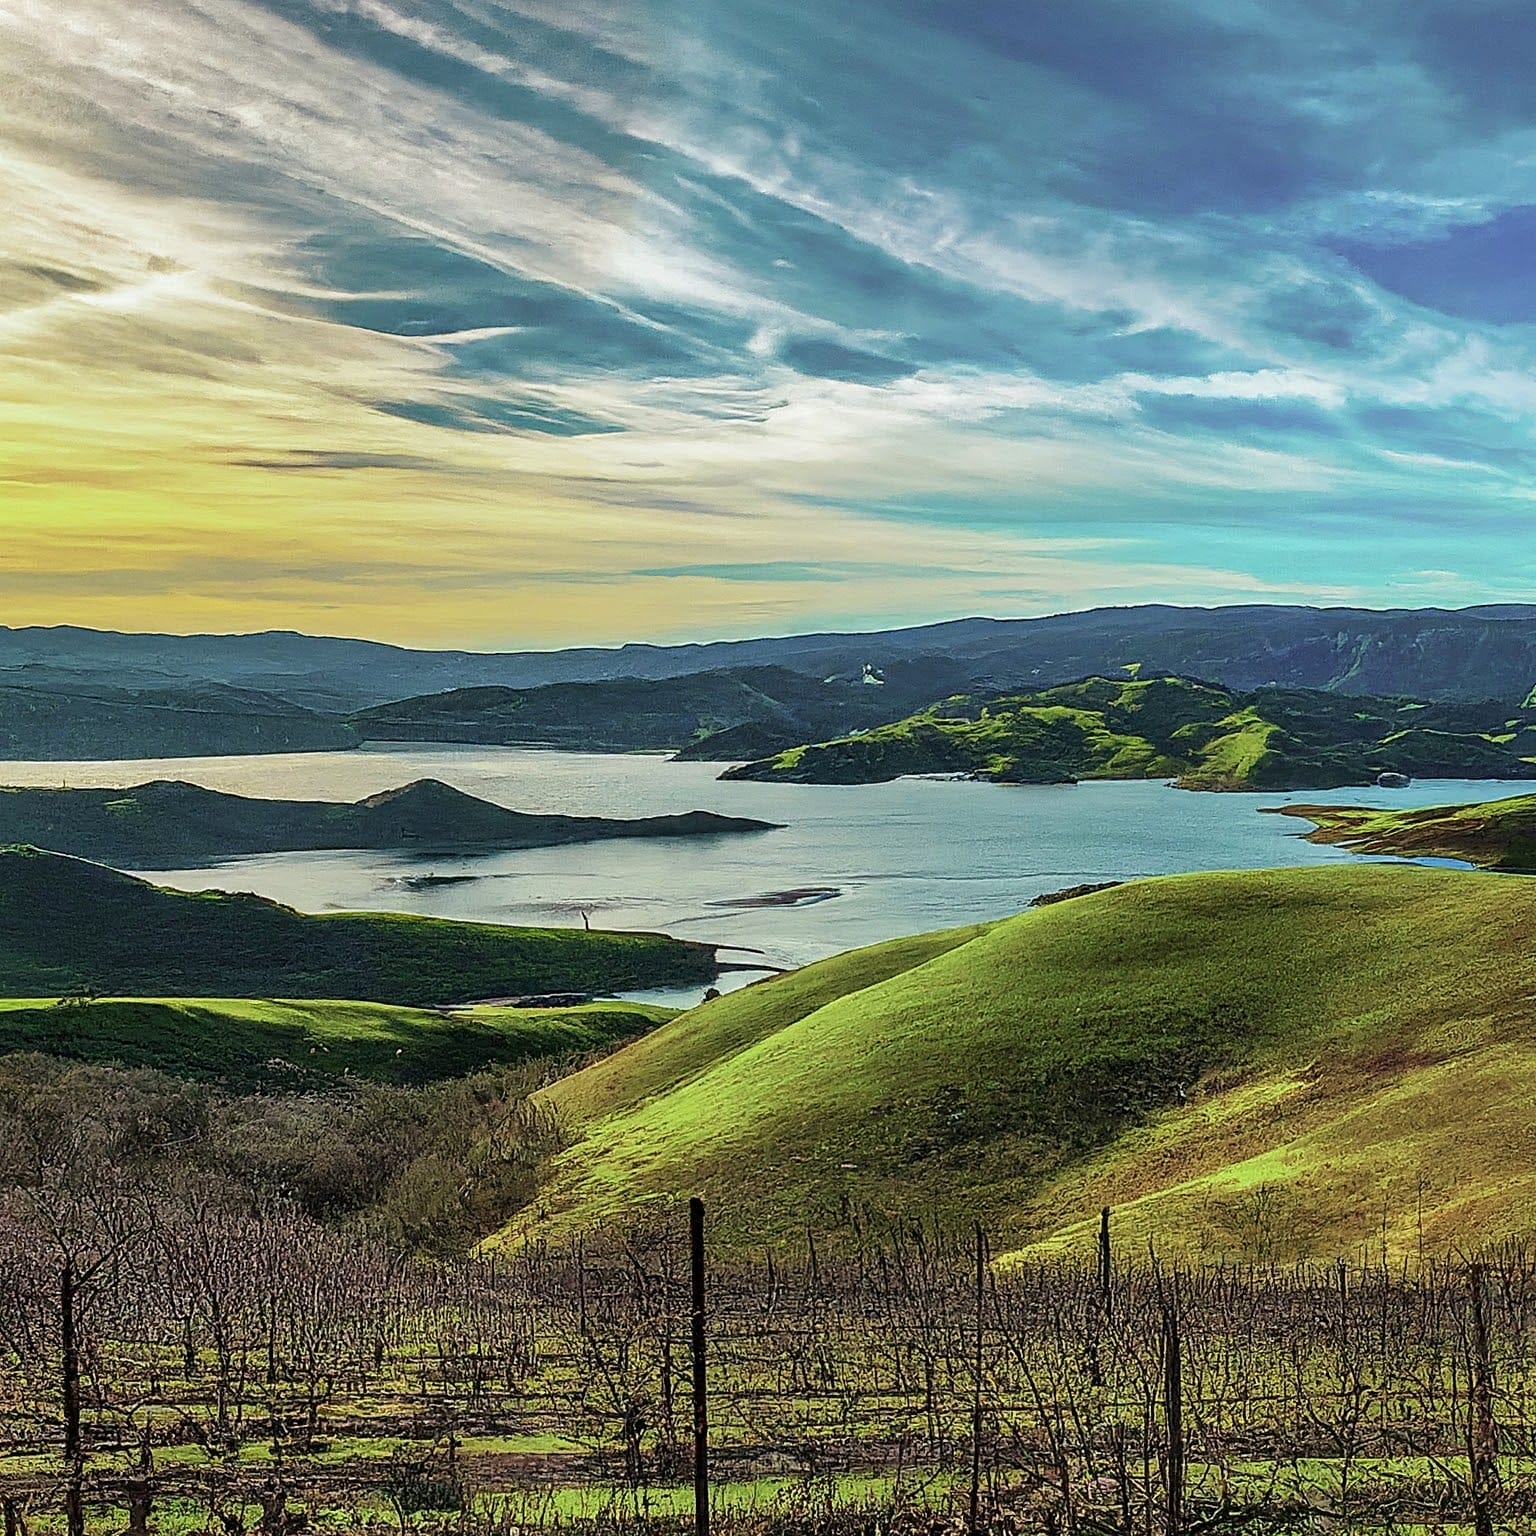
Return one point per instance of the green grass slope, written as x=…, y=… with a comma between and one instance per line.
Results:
x=168, y=822
x=704, y=1037
x=67, y=925
x=1491, y=834
x=263, y=1043
x=1250, y=1064
x=1201, y=735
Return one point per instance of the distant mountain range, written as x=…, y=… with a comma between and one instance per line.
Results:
x=1428, y=652
x=68, y=692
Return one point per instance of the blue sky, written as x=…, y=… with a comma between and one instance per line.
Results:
x=526, y=321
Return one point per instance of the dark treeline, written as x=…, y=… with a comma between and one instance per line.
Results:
x=430, y=1168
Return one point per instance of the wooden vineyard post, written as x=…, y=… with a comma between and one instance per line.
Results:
x=74, y=1508
x=140, y=1488
x=1482, y=1432
x=976, y=1369
x=700, y=1381
x=1173, y=1416
x=1106, y=1269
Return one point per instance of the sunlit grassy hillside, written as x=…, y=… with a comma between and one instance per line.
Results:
x=1257, y=1063
x=1202, y=735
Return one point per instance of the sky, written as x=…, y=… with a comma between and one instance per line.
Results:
x=537, y=322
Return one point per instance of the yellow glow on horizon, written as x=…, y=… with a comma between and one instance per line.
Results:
x=187, y=442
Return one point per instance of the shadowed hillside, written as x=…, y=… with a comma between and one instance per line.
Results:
x=771, y=705
x=67, y=925
x=256, y=1044
x=104, y=719
x=1267, y=1063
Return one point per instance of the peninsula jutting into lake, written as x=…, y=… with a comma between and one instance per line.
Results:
x=170, y=822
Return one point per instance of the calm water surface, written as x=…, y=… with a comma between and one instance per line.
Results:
x=879, y=860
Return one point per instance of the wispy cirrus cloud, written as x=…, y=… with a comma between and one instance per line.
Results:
x=955, y=306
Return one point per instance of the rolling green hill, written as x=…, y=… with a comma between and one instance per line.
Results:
x=263, y=1044
x=169, y=823
x=1491, y=834
x=68, y=925
x=1200, y=735
x=1252, y=1064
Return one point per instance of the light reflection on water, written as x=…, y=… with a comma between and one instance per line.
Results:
x=904, y=857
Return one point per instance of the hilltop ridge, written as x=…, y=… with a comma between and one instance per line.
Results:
x=1434, y=653
x=1199, y=734
x=168, y=822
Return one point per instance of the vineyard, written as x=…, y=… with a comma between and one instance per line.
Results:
x=181, y=1367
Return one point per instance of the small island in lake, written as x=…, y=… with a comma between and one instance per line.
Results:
x=169, y=823
x=1491, y=834
x=1197, y=734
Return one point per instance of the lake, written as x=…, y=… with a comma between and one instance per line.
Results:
x=852, y=865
